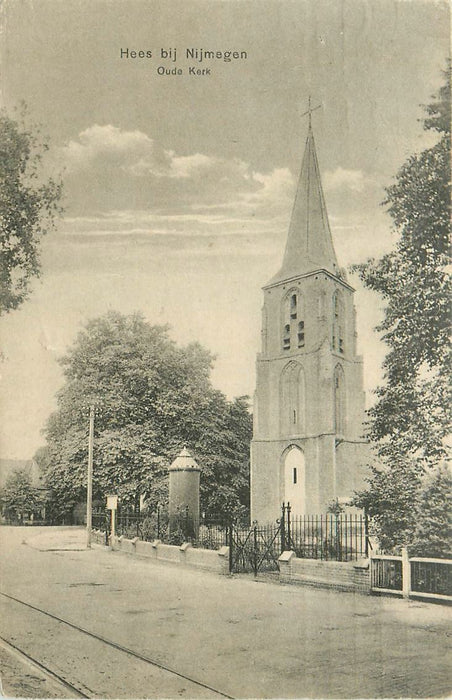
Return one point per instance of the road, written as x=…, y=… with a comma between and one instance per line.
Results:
x=234, y=636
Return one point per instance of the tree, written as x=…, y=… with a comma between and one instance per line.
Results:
x=432, y=535
x=411, y=416
x=152, y=398
x=19, y=496
x=28, y=207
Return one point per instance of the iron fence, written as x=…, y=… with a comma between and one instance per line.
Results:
x=147, y=526
x=100, y=520
x=129, y=525
x=340, y=537
x=213, y=534
x=256, y=548
x=156, y=525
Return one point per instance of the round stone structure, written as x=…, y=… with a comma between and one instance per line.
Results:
x=184, y=476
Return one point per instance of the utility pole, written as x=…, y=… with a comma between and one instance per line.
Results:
x=89, y=489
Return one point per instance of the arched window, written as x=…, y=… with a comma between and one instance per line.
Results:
x=292, y=399
x=339, y=400
x=338, y=323
x=301, y=334
x=293, y=331
x=286, y=337
x=294, y=479
x=300, y=323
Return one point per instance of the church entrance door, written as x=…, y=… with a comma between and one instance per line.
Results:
x=294, y=479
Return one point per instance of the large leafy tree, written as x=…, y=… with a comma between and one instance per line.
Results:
x=433, y=532
x=151, y=398
x=411, y=417
x=18, y=496
x=29, y=204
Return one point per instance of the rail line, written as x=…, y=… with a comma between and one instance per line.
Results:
x=112, y=644
x=42, y=667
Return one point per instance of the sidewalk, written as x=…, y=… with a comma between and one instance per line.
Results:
x=62, y=539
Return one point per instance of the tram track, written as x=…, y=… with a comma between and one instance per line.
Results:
x=42, y=668
x=107, y=642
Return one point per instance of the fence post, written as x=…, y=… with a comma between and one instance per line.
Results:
x=113, y=523
x=230, y=534
x=366, y=533
x=406, y=573
x=283, y=528
x=289, y=534
x=255, y=550
x=338, y=538
x=107, y=527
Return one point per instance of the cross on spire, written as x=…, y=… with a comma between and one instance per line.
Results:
x=310, y=110
x=309, y=243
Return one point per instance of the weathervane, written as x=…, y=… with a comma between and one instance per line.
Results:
x=310, y=110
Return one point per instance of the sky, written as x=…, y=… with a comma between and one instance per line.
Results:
x=178, y=188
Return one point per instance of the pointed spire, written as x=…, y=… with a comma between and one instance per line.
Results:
x=309, y=244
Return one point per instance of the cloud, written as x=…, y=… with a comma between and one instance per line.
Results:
x=135, y=153
x=125, y=189
x=341, y=179
x=274, y=187
x=148, y=224
x=109, y=144
x=109, y=170
x=187, y=166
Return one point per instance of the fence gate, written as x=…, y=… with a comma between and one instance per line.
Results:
x=255, y=549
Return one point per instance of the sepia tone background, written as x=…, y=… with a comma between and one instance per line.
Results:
x=178, y=189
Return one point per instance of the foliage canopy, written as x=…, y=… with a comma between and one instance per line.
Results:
x=411, y=418
x=433, y=532
x=18, y=495
x=28, y=208
x=152, y=398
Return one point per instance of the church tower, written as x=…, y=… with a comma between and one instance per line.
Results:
x=307, y=445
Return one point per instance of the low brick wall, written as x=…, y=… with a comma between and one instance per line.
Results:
x=185, y=555
x=343, y=576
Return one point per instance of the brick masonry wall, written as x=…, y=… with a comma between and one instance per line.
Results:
x=344, y=576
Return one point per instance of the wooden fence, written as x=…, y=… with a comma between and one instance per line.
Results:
x=418, y=577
